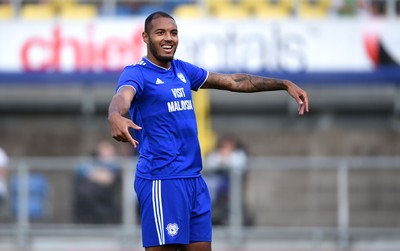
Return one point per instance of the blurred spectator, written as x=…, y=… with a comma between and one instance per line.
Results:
x=352, y=7
x=398, y=7
x=3, y=177
x=345, y=7
x=378, y=7
x=229, y=156
x=363, y=8
x=97, y=183
x=38, y=189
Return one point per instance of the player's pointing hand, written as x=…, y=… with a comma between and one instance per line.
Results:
x=120, y=129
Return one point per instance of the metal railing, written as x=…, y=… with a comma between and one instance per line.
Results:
x=23, y=233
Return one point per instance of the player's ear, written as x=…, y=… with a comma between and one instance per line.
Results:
x=145, y=37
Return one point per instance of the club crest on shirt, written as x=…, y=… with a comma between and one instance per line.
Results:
x=181, y=77
x=172, y=229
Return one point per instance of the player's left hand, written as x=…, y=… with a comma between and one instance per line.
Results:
x=300, y=96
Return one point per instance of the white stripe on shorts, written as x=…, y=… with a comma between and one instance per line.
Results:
x=158, y=210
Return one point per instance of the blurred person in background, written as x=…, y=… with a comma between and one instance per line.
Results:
x=97, y=183
x=397, y=4
x=3, y=177
x=378, y=7
x=39, y=192
x=156, y=91
x=229, y=156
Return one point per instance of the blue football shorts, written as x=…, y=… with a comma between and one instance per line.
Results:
x=174, y=211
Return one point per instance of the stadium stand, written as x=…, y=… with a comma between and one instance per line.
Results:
x=265, y=9
x=231, y=11
x=61, y=3
x=271, y=9
x=68, y=9
x=147, y=9
x=314, y=8
x=211, y=5
x=6, y=11
x=189, y=11
x=78, y=11
x=37, y=11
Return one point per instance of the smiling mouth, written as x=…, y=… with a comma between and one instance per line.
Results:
x=167, y=48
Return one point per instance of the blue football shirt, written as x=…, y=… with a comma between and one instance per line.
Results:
x=162, y=106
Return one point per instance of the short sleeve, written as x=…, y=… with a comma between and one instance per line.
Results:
x=131, y=76
x=196, y=74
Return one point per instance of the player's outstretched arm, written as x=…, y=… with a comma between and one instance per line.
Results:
x=120, y=125
x=251, y=83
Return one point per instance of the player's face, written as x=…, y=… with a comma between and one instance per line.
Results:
x=162, y=41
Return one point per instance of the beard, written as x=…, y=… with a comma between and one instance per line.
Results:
x=153, y=51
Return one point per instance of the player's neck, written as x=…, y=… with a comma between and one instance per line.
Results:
x=155, y=61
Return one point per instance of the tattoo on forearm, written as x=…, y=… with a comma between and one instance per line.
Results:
x=249, y=83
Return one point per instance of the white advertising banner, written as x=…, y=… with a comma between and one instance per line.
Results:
x=281, y=46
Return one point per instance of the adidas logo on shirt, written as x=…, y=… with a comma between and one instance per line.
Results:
x=159, y=81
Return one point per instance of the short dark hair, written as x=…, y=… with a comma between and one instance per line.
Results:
x=153, y=16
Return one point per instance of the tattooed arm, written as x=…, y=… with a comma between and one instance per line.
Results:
x=251, y=83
